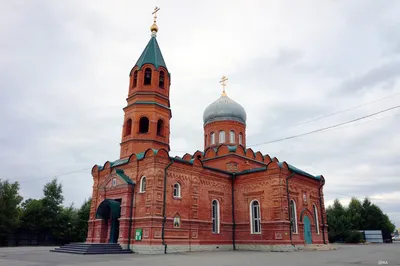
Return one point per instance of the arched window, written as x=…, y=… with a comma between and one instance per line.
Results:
x=212, y=138
x=128, y=127
x=177, y=190
x=143, y=184
x=143, y=125
x=147, y=76
x=161, y=81
x=240, y=138
x=134, y=79
x=205, y=139
x=232, y=136
x=293, y=216
x=160, y=127
x=221, y=138
x=316, y=219
x=255, y=217
x=215, y=216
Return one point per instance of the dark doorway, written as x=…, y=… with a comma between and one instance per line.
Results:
x=110, y=211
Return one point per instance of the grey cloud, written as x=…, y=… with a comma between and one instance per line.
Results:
x=385, y=73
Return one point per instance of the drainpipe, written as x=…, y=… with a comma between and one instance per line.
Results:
x=288, y=202
x=233, y=212
x=321, y=210
x=130, y=217
x=164, y=206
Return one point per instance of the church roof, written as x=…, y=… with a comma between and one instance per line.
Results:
x=224, y=108
x=121, y=174
x=151, y=55
x=231, y=148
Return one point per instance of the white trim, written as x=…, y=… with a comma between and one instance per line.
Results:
x=252, y=231
x=141, y=188
x=232, y=136
x=178, y=190
x=295, y=217
x=315, y=210
x=221, y=137
x=212, y=138
x=218, y=220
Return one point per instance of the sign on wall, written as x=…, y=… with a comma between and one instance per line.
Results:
x=138, y=235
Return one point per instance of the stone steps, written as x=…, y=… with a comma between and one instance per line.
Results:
x=90, y=248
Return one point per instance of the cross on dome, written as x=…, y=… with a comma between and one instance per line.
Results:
x=154, y=27
x=223, y=83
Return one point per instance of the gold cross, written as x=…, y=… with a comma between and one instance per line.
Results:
x=223, y=83
x=156, y=9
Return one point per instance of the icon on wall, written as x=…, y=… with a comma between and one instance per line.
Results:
x=177, y=221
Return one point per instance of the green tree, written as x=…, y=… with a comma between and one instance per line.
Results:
x=338, y=222
x=83, y=218
x=52, y=208
x=355, y=214
x=344, y=222
x=32, y=216
x=9, y=208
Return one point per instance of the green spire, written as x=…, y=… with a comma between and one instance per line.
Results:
x=151, y=55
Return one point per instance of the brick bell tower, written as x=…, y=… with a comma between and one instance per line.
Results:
x=147, y=114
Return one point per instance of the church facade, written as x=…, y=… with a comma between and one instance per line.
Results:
x=223, y=197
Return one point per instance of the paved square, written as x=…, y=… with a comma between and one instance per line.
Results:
x=377, y=254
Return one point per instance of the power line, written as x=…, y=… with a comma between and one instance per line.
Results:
x=325, y=128
x=54, y=176
x=364, y=122
x=333, y=114
x=345, y=110
x=337, y=126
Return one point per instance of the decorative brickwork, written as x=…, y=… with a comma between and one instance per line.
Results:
x=136, y=192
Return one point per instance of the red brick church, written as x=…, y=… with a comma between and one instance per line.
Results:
x=223, y=197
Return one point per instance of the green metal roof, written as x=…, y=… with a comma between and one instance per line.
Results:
x=121, y=174
x=300, y=172
x=151, y=55
x=119, y=162
x=150, y=102
x=232, y=148
x=107, y=209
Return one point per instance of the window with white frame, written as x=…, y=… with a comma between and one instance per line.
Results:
x=212, y=138
x=215, y=216
x=240, y=138
x=143, y=184
x=316, y=219
x=293, y=216
x=232, y=136
x=114, y=182
x=255, y=217
x=221, y=138
x=177, y=190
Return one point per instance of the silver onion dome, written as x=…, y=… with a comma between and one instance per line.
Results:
x=224, y=109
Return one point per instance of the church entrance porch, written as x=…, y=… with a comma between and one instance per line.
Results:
x=307, y=230
x=109, y=211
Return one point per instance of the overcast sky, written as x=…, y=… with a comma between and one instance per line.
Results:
x=64, y=69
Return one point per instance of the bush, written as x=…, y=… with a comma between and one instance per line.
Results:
x=354, y=237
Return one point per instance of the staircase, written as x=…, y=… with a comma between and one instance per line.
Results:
x=92, y=248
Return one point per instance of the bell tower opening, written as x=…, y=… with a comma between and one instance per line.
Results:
x=147, y=76
x=148, y=104
x=144, y=125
